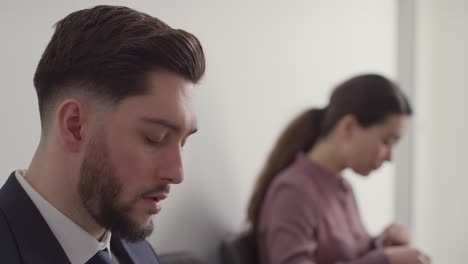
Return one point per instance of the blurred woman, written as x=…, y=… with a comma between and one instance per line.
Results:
x=302, y=209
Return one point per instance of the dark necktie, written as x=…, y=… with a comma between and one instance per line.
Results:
x=102, y=257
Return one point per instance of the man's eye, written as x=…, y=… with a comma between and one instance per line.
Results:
x=152, y=142
x=388, y=142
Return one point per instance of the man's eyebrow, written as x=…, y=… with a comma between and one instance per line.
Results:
x=166, y=123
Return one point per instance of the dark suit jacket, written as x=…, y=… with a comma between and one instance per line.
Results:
x=26, y=238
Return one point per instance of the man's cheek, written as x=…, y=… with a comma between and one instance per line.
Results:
x=128, y=163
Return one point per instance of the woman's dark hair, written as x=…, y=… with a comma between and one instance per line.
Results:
x=369, y=98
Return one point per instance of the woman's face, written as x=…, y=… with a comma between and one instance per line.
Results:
x=368, y=148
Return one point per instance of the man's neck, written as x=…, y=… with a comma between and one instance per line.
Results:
x=59, y=188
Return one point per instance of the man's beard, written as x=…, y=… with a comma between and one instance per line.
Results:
x=100, y=192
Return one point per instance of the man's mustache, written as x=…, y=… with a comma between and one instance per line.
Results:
x=166, y=188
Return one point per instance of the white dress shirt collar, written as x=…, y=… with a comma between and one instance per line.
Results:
x=78, y=244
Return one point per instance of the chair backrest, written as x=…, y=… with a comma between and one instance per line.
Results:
x=179, y=258
x=239, y=249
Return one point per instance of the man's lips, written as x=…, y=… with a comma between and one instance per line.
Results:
x=154, y=201
x=156, y=197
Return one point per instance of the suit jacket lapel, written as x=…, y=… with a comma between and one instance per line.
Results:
x=121, y=251
x=36, y=242
x=133, y=253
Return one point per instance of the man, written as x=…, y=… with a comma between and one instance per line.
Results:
x=114, y=89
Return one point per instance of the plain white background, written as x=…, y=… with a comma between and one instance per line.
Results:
x=266, y=61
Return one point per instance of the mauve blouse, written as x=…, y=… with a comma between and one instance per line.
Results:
x=310, y=216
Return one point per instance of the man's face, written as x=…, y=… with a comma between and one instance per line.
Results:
x=137, y=154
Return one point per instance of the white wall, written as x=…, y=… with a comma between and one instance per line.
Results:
x=441, y=214
x=267, y=60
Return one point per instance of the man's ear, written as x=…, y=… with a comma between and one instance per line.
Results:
x=73, y=123
x=347, y=126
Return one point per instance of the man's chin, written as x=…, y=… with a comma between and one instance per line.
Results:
x=363, y=173
x=146, y=222
x=137, y=233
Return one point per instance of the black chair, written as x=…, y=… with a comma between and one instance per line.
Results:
x=239, y=249
x=179, y=258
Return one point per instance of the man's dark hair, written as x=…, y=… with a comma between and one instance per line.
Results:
x=107, y=51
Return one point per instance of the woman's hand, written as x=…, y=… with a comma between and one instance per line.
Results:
x=395, y=235
x=406, y=255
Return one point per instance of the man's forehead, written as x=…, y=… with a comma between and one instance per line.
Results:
x=157, y=81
